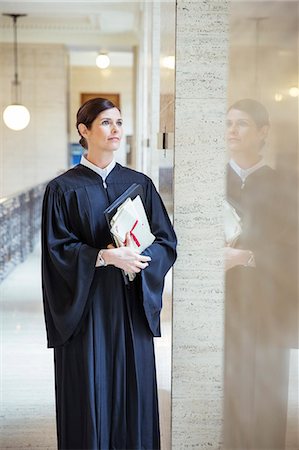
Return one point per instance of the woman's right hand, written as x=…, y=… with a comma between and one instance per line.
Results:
x=236, y=257
x=125, y=258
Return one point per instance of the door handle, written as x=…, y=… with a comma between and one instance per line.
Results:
x=165, y=141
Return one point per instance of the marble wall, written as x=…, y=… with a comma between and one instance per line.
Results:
x=198, y=296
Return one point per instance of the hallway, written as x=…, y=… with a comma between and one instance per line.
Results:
x=27, y=382
x=27, y=403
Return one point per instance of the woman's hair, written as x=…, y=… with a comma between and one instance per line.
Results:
x=89, y=111
x=254, y=109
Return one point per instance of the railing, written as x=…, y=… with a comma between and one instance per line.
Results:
x=20, y=219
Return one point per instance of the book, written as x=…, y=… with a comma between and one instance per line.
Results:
x=232, y=224
x=131, y=217
x=127, y=215
x=132, y=192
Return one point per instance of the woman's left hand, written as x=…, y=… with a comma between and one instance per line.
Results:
x=126, y=257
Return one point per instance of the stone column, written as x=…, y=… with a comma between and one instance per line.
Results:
x=199, y=185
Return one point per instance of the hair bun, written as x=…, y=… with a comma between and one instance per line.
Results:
x=83, y=142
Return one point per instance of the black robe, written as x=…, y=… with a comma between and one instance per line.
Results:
x=102, y=330
x=261, y=306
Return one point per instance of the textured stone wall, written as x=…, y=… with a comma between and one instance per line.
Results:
x=198, y=296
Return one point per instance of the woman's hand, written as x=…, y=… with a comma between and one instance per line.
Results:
x=125, y=257
x=237, y=257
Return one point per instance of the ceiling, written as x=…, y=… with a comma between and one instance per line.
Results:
x=278, y=23
x=82, y=26
x=114, y=26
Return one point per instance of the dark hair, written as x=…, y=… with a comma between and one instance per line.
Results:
x=89, y=111
x=254, y=109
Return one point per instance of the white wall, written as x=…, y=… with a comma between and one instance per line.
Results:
x=39, y=152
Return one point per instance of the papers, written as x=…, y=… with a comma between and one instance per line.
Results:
x=232, y=224
x=131, y=217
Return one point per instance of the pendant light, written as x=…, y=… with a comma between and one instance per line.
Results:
x=16, y=116
x=102, y=60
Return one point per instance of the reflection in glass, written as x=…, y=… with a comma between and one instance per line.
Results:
x=261, y=320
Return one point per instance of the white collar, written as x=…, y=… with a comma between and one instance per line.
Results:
x=102, y=172
x=244, y=173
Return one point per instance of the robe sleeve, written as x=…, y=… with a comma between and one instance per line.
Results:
x=68, y=267
x=163, y=254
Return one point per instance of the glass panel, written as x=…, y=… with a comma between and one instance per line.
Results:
x=261, y=215
x=57, y=65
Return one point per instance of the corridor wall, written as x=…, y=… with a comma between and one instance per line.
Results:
x=37, y=153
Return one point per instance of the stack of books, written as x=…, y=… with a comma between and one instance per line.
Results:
x=127, y=215
x=131, y=217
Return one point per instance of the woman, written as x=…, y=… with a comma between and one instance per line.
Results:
x=257, y=295
x=101, y=328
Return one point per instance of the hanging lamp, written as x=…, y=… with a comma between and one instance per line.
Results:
x=16, y=116
x=103, y=60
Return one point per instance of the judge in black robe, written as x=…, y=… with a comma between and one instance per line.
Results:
x=260, y=292
x=102, y=329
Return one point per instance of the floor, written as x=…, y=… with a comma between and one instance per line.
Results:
x=27, y=414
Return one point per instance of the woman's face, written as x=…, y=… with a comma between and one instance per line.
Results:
x=242, y=133
x=105, y=132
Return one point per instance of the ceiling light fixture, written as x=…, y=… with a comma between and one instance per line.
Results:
x=294, y=91
x=16, y=116
x=103, y=61
x=278, y=97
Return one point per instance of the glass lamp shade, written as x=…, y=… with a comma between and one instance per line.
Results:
x=16, y=117
x=102, y=61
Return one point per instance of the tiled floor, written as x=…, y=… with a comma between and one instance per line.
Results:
x=27, y=382
x=27, y=387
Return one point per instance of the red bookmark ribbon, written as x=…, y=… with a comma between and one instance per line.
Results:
x=133, y=235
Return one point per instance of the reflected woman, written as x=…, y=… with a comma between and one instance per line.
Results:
x=256, y=364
